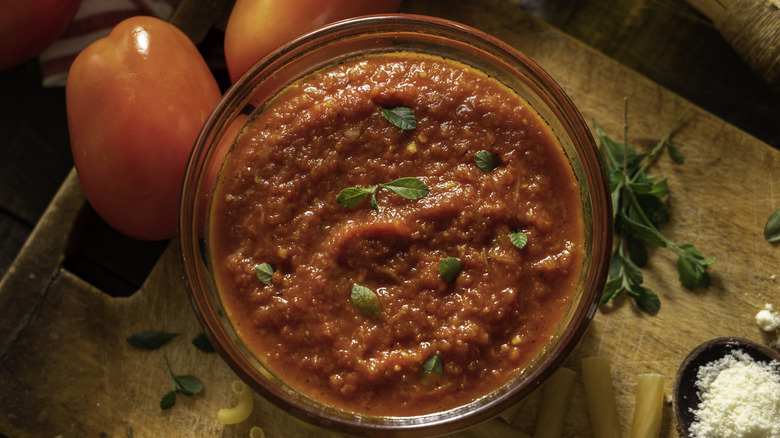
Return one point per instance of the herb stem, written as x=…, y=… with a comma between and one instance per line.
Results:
x=660, y=146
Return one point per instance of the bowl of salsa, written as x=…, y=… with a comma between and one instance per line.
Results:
x=395, y=225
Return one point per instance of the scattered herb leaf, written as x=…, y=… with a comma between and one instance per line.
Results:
x=772, y=227
x=366, y=300
x=168, y=400
x=185, y=384
x=433, y=365
x=486, y=161
x=638, y=211
x=150, y=339
x=201, y=342
x=519, y=239
x=352, y=196
x=128, y=431
x=264, y=272
x=449, y=268
x=400, y=116
x=408, y=188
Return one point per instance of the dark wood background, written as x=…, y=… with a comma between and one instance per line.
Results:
x=665, y=40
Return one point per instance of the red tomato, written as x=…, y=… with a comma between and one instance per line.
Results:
x=136, y=101
x=27, y=27
x=256, y=27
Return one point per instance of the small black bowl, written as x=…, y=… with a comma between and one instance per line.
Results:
x=685, y=396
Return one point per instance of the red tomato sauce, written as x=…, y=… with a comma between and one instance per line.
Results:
x=276, y=203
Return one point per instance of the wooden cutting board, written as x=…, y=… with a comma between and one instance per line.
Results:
x=66, y=370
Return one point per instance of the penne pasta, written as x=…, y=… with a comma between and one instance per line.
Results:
x=242, y=410
x=648, y=410
x=600, y=397
x=555, y=399
x=509, y=415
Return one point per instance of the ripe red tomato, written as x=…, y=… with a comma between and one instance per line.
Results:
x=256, y=27
x=27, y=27
x=136, y=101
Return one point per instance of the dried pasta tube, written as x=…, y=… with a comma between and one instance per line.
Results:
x=552, y=410
x=242, y=410
x=648, y=410
x=256, y=432
x=510, y=415
x=600, y=397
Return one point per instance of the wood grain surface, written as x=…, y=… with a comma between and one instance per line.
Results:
x=66, y=369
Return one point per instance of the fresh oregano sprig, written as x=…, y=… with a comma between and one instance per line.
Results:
x=409, y=188
x=185, y=384
x=639, y=209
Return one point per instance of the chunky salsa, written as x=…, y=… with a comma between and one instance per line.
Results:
x=351, y=304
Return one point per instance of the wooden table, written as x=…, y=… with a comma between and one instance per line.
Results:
x=65, y=368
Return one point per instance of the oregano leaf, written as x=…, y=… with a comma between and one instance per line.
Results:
x=486, y=161
x=409, y=187
x=365, y=300
x=449, y=268
x=188, y=385
x=265, y=272
x=647, y=300
x=519, y=239
x=772, y=227
x=168, y=400
x=150, y=339
x=201, y=342
x=433, y=365
x=401, y=117
x=352, y=196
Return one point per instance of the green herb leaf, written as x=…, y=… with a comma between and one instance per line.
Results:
x=265, y=272
x=638, y=211
x=188, y=385
x=150, y=339
x=449, y=268
x=128, y=431
x=401, y=116
x=637, y=252
x=409, y=187
x=772, y=227
x=352, y=196
x=486, y=161
x=518, y=239
x=372, y=202
x=201, y=342
x=647, y=300
x=366, y=300
x=168, y=400
x=675, y=153
x=433, y=365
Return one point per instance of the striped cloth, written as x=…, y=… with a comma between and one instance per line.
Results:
x=94, y=20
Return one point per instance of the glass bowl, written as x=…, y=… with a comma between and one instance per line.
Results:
x=379, y=34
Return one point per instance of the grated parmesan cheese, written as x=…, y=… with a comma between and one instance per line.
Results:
x=740, y=398
x=767, y=319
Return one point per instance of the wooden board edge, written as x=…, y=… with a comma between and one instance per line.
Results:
x=25, y=283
